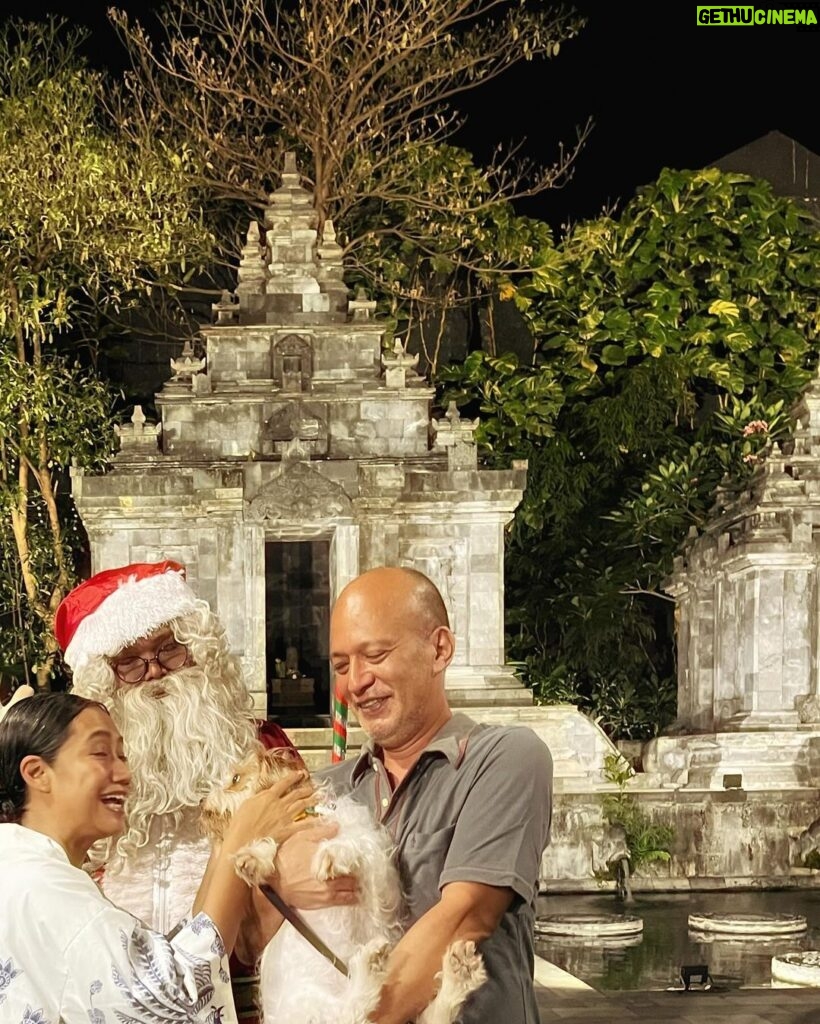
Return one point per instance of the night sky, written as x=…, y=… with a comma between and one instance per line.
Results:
x=662, y=91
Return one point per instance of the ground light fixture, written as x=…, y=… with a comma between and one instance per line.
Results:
x=695, y=976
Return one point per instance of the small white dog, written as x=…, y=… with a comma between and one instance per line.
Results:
x=299, y=985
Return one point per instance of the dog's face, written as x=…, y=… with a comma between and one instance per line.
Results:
x=258, y=771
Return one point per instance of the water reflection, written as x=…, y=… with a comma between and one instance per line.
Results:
x=653, y=961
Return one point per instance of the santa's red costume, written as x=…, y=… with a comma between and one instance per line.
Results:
x=183, y=730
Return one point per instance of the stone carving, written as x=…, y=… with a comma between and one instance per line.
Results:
x=293, y=362
x=330, y=272
x=187, y=365
x=438, y=561
x=808, y=709
x=298, y=493
x=226, y=311
x=807, y=416
x=361, y=307
x=806, y=843
x=296, y=430
x=455, y=435
x=610, y=848
x=294, y=420
x=397, y=366
x=137, y=435
x=252, y=272
x=330, y=254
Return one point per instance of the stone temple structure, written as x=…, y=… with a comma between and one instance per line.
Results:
x=737, y=774
x=748, y=625
x=294, y=453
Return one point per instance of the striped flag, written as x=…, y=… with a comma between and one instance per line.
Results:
x=339, y=727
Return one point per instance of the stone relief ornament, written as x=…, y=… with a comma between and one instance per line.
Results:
x=298, y=492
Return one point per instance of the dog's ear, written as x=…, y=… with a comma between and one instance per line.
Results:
x=282, y=759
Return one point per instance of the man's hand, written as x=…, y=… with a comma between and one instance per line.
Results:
x=294, y=879
x=19, y=694
x=295, y=882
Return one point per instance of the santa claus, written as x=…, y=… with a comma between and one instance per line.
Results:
x=138, y=639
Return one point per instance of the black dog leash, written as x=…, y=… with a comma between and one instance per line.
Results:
x=304, y=929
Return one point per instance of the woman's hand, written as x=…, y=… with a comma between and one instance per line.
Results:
x=278, y=812
x=19, y=694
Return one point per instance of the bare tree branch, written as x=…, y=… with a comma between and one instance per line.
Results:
x=349, y=83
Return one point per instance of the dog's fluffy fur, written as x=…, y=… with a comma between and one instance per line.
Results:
x=299, y=985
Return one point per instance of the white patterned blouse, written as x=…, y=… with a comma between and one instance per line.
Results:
x=69, y=956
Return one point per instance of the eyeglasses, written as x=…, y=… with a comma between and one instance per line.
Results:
x=170, y=656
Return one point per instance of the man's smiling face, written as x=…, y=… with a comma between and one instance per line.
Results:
x=386, y=660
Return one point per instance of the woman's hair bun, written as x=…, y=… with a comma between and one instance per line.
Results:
x=9, y=811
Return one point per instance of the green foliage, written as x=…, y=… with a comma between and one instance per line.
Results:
x=669, y=345
x=421, y=258
x=88, y=220
x=812, y=860
x=56, y=404
x=23, y=647
x=647, y=841
x=83, y=213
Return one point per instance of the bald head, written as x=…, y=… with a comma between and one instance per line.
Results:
x=398, y=589
x=390, y=646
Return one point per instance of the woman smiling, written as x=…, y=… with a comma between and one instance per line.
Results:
x=67, y=955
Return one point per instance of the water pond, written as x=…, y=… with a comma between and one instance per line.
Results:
x=653, y=959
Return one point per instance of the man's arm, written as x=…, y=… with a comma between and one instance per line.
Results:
x=491, y=860
x=466, y=910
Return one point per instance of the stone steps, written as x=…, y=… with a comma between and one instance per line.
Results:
x=513, y=695
x=315, y=744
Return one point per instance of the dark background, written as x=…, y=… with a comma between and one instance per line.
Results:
x=662, y=91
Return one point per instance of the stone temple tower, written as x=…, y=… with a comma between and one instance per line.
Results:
x=294, y=452
x=748, y=628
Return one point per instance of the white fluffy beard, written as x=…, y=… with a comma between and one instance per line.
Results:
x=182, y=733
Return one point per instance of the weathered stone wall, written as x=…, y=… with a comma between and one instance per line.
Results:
x=722, y=839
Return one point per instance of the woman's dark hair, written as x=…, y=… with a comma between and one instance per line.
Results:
x=36, y=725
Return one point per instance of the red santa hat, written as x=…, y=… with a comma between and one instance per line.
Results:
x=117, y=607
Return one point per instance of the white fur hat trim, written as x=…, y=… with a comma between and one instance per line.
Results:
x=136, y=608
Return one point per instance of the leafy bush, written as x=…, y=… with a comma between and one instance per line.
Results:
x=647, y=841
x=670, y=344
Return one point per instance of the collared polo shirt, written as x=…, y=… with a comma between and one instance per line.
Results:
x=476, y=807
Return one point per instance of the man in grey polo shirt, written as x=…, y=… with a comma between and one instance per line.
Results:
x=468, y=805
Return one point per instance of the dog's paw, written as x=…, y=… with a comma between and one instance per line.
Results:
x=375, y=956
x=255, y=862
x=336, y=859
x=464, y=964
x=368, y=969
x=462, y=972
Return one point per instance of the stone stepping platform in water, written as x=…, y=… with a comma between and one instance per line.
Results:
x=796, y=970
x=748, y=924
x=595, y=926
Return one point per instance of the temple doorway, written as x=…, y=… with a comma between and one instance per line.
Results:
x=297, y=603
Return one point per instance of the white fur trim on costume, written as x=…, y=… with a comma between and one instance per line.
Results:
x=132, y=611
